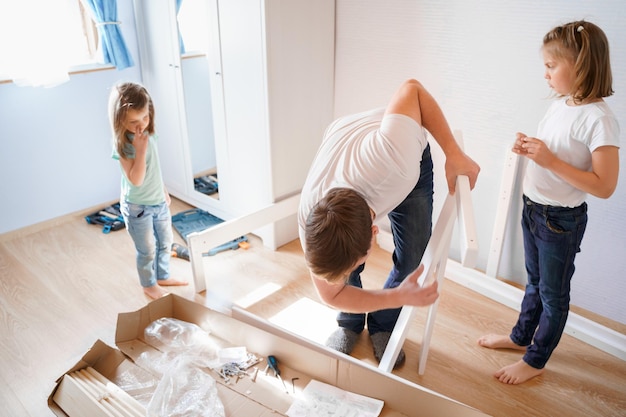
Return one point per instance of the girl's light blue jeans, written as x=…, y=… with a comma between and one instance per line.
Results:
x=552, y=237
x=150, y=227
x=411, y=224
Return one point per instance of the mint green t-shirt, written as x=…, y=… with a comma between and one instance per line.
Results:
x=151, y=192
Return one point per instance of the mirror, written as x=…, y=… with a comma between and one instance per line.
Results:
x=193, y=26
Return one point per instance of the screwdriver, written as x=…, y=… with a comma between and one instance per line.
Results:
x=273, y=363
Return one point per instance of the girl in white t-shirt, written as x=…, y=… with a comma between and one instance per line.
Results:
x=575, y=153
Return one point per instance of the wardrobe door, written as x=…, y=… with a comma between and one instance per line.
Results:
x=161, y=74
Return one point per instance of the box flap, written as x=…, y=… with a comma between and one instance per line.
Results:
x=101, y=357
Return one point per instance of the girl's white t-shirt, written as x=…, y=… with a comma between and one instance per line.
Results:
x=572, y=133
x=377, y=156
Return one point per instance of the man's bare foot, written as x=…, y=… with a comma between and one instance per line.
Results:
x=517, y=373
x=170, y=282
x=499, y=341
x=154, y=292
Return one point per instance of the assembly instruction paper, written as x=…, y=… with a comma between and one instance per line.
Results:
x=323, y=400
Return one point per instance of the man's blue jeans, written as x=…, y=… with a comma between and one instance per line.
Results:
x=552, y=237
x=411, y=225
x=151, y=230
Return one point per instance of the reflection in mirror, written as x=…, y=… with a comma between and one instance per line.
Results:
x=193, y=24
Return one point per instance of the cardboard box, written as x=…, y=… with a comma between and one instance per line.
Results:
x=299, y=358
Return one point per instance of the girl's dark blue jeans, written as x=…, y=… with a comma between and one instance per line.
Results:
x=411, y=224
x=552, y=237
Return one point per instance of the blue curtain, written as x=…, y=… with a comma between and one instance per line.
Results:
x=112, y=43
x=180, y=37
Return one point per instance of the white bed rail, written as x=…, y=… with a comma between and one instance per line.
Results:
x=202, y=242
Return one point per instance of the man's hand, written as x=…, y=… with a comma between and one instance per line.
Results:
x=460, y=164
x=414, y=294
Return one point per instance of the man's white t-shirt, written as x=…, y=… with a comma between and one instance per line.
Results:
x=375, y=156
x=572, y=133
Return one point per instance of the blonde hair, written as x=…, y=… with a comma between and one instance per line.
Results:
x=125, y=96
x=586, y=45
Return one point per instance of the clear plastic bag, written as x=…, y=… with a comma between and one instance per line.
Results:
x=186, y=390
x=184, y=353
x=138, y=383
x=168, y=334
x=173, y=338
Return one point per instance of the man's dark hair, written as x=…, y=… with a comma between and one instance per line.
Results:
x=338, y=233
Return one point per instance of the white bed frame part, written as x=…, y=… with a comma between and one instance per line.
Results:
x=434, y=261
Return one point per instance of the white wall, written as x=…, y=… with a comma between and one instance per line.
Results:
x=481, y=60
x=55, y=154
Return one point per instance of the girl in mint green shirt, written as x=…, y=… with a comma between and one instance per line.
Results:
x=144, y=201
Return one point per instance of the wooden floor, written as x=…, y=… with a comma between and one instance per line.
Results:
x=63, y=283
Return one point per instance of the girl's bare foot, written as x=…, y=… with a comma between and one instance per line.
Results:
x=171, y=282
x=499, y=341
x=154, y=292
x=517, y=373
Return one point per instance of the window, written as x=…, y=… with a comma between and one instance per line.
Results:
x=193, y=26
x=41, y=40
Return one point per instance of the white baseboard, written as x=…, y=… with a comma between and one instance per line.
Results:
x=588, y=331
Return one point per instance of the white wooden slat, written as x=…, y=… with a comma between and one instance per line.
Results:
x=467, y=223
x=502, y=213
x=434, y=250
x=432, y=310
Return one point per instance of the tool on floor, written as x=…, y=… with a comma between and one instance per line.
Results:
x=110, y=218
x=180, y=251
x=196, y=220
x=240, y=242
x=272, y=363
x=111, y=215
x=206, y=184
